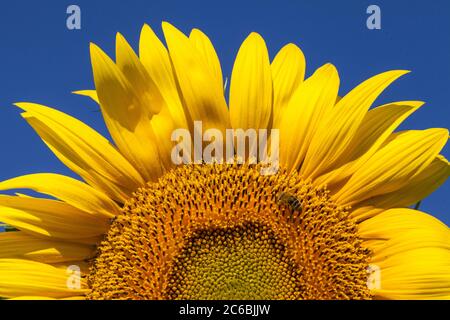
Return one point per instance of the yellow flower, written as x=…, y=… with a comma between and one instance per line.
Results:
x=332, y=223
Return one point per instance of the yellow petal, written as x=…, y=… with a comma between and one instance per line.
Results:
x=32, y=298
x=23, y=246
x=155, y=58
x=391, y=223
x=29, y=278
x=74, y=298
x=203, y=97
x=84, y=151
x=88, y=93
x=170, y=118
x=82, y=265
x=47, y=298
x=393, y=166
x=206, y=49
x=376, y=127
x=51, y=218
x=435, y=238
x=163, y=125
x=308, y=106
x=72, y=191
x=128, y=62
x=412, y=252
x=126, y=115
x=337, y=131
x=415, y=274
x=416, y=189
x=288, y=71
x=251, y=86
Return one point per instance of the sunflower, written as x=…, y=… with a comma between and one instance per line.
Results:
x=332, y=223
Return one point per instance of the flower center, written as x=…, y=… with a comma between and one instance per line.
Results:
x=245, y=262
x=225, y=231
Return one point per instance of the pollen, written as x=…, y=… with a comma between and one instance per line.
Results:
x=219, y=231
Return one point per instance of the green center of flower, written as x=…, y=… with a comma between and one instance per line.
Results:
x=246, y=262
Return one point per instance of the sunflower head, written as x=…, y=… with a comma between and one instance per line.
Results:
x=143, y=226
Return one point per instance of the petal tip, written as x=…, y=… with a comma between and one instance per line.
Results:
x=166, y=26
x=255, y=36
x=145, y=29
x=95, y=50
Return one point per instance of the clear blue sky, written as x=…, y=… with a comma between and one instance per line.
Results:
x=42, y=61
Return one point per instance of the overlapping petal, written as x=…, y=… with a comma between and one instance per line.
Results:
x=24, y=246
x=84, y=151
x=71, y=191
x=392, y=167
x=208, y=53
x=51, y=219
x=341, y=124
x=412, y=251
x=301, y=118
x=30, y=278
x=201, y=93
x=127, y=114
x=416, y=189
x=378, y=124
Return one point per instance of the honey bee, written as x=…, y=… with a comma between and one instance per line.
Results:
x=287, y=199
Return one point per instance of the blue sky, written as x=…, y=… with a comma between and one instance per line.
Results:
x=42, y=61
